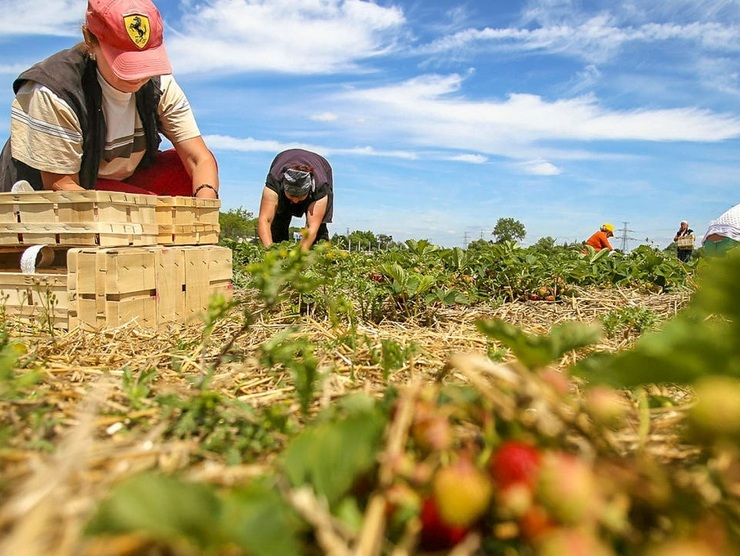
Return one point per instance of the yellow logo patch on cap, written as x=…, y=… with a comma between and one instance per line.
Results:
x=137, y=27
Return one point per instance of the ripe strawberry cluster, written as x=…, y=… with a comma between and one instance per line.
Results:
x=513, y=488
x=550, y=500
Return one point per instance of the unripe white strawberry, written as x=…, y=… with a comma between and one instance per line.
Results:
x=558, y=381
x=606, y=406
x=514, y=500
x=572, y=542
x=682, y=547
x=716, y=413
x=567, y=487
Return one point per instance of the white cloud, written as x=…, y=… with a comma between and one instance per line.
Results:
x=429, y=111
x=283, y=36
x=370, y=151
x=324, y=117
x=249, y=144
x=541, y=168
x=597, y=39
x=12, y=69
x=41, y=17
x=470, y=158
x=246, y=145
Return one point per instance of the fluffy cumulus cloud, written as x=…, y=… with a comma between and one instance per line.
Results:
x=283, y=36
x=429, y=110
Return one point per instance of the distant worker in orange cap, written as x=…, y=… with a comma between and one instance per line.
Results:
x=600, y=240
x=90, y=117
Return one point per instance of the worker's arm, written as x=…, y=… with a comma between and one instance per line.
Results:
x=200, y=165
x=60, y=182
x=314, y=218
x=268, y=207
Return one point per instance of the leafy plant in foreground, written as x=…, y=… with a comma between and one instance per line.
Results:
x=536, y=351
x=255, y=518
x=282, y=270
x=199, y=519
x=340, y=458
x=628, y=319
x=222, y=425
x=296, y=355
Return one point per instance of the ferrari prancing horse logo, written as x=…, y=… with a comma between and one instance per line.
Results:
x=137, y=27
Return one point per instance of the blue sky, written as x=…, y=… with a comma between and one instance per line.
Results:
x=440, y=117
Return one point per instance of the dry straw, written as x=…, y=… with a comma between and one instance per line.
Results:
x=49, y=496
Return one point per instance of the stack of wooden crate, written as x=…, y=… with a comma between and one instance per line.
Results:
x=99, y=259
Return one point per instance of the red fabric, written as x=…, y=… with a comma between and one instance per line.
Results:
x=599, y=241
x=167, y=176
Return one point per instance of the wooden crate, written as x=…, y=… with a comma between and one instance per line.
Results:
x=188, y=221
x=41, y=298
x=153, y=286
x=78, y=218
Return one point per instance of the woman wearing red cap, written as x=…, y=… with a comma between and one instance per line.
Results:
x=90, y=117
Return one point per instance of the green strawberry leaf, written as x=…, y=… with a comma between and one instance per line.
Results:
x=537, y=351
x=162, y=507
x=332, y=455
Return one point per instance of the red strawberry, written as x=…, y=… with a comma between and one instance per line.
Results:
x=436, y=534
x=515, y=462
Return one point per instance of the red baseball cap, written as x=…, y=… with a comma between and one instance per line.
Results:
x=131, y=37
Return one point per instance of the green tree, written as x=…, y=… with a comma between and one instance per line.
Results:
x=362, y=241
x=339, y=241
x=547, y=242
x=237, y=224
x=384, y=241
x=508, y=229
x=479, y=245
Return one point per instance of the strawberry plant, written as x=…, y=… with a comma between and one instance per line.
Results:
x=529, y=444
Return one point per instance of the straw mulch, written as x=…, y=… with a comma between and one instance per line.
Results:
x=50, y=494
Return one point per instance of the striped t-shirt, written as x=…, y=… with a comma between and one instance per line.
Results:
x=46, y=134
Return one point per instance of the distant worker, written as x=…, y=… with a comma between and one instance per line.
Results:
x=299, y=182
x=685, y=241
x=600, y=240
x=723, y=233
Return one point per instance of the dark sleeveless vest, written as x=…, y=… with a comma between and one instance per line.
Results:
x=72, y=76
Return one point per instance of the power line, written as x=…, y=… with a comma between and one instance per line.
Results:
x=624, y=238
